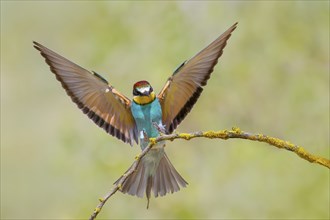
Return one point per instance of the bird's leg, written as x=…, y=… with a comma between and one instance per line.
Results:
x=160, y=127
x=144, y=135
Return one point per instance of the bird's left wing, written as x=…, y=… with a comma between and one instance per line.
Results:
x=94, y=96
x=184, y=87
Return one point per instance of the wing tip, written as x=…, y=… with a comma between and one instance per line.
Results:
x=234, y=26
x=36, y=45
x=230, y=30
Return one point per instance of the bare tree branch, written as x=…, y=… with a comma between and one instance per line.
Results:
x=222, y=134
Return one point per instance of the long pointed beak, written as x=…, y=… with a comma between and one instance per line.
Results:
x=146, y=93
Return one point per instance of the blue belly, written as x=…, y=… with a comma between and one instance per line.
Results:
x=144, y=116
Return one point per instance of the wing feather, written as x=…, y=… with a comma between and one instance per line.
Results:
x=108, y=108
x=184, y=87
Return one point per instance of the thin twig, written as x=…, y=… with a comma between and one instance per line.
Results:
x=121, y=181
x=222, y=134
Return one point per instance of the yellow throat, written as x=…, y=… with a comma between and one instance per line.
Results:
x=143, y=100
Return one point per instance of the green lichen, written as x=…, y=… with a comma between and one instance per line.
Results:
x=120, y=187
x=209, y=134
x=237, y=130
x=186, y=136
x=97, y=210
x=152, y=141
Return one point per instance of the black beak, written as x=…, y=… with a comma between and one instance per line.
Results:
x=146, y=93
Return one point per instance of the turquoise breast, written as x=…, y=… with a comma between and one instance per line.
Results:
x=144, y=116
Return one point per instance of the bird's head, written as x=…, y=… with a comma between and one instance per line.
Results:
x=143, y=93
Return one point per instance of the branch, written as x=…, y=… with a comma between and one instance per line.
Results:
x=223, y=134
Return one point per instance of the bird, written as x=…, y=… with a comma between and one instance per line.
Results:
x=146, y=116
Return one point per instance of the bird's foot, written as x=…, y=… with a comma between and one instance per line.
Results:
x=160, y=128
x=144, y=136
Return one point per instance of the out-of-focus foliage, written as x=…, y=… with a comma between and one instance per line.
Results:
x=273, y=78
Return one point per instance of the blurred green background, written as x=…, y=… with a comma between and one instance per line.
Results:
x=273, y=78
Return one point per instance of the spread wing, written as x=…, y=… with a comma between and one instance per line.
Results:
x=94, y=96
x=184, y=87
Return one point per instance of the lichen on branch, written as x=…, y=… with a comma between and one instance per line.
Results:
x=222, y=134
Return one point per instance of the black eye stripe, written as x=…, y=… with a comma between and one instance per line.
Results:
x=137, y=92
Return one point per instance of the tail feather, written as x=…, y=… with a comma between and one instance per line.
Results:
x=165, y=180
x=176, y=177
x=132, y=187
x=148, y=189
x=142, y=183
x=160, y=176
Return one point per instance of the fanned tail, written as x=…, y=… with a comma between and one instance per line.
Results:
x=165, y=180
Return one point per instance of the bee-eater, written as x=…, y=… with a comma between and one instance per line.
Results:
x=147, y=115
